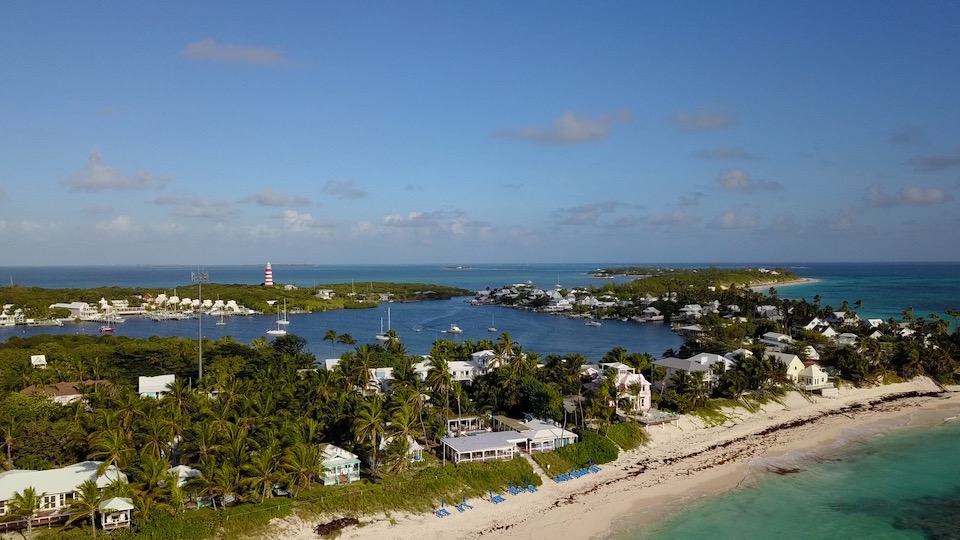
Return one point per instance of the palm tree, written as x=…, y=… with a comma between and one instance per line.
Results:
x=262, y=469
x=9, y=430
x=304, y=462
x=346, y=339
x=84, y=504
x=113, y=448
x=331, y=336
x=369, y=425
x=25, y=506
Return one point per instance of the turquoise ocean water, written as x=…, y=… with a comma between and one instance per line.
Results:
x=901, y=484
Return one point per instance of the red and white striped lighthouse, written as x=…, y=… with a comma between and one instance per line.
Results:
x=268, y=276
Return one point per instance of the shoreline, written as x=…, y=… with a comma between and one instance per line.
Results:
x=679, y=465
x=764, y=287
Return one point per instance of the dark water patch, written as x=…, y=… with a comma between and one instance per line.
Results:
x=937, y=518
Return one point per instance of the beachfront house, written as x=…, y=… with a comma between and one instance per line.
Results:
x=530, y=435
x=38, y=361
x=707, y=364
x=630, y=385
x=56, y=488
x=813, y=377
x=791, y=361
x=339, y=466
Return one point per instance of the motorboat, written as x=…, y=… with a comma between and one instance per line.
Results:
x=592, y=323
x=454, y=329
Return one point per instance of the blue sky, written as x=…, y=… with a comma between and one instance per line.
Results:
x=456, y=132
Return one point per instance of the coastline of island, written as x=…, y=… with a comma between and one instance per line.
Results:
x=682, y=463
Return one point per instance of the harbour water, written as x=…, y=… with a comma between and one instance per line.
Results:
x=881, y=483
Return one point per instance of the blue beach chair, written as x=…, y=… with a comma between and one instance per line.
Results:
x=465, y=505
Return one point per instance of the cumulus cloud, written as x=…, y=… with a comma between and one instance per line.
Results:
x=344, y=190
x=101, y=177
x=569, y=128
x=413, y=219
x=269, y=197
x=936, y=162
x=302, y=221
x=118, y=225
x=738, y=180
x=724, y=152
x=907, y=196
x=704, y=120
x=736, y=219
x=208, y=49
x=195, y=207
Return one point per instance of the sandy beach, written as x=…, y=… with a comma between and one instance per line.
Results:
x=682, y=463
x=764, y=287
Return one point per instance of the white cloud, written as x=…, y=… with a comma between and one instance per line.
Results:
x=738, y=180
x=101, y=177
x=269, y=197
x=303, y=222
x=569, y=128
x=208, y=49
x=736, y=219
x=908, y=196
x=118, y=226
x=413, y=219
x=704, y=120
x=344, y=190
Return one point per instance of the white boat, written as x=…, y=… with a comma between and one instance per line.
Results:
x=381, y=336
x=592, y=323
x=279, y=331
x=284, y=320
x=221, y=322
x=454, y=329
x=492, y=327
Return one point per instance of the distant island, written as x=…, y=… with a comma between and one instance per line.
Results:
x=33, y=305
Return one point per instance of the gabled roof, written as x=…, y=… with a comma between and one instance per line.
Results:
x=116, y=504
x=63, y=480
x=681, y=364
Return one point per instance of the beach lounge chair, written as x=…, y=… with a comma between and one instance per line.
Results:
x=513, y=490
x=531, y=489
x=465, y=505
x=495, y=499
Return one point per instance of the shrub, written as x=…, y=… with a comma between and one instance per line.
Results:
x=627, y=435
x=591, y=448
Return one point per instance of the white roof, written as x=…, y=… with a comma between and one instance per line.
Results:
x=681, y=364
x=64, y=480
x=117, y=504
x=156, y=384
x=414, y=445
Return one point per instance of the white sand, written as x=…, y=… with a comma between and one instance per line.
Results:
x=680, y=464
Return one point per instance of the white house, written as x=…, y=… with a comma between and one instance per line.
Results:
x=339, y=466
x=625, y=379
x=776, y=339
x=529, y=435
x=38, y=361
x=155, y=387
x=813, y=377
x=58, y=486
x=414, y=450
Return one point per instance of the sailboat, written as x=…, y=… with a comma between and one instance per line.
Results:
x=107, y=328
x=492, y=327
x=381, y=336
x=221, y=321
x=279, y=331
x=284, y=320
